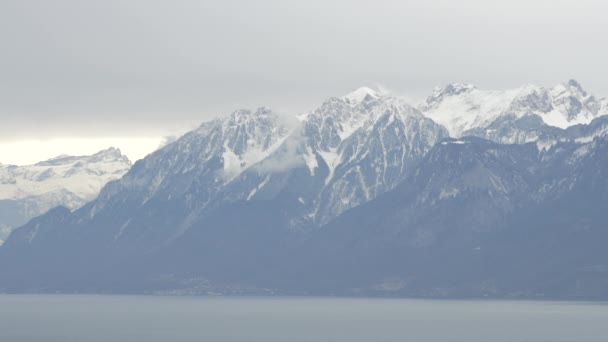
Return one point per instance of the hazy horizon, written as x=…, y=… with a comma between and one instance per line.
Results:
x=31, y=150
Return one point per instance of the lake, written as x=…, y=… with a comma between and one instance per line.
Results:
x=150, y=318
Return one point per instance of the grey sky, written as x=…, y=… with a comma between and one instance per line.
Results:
x=102, y=68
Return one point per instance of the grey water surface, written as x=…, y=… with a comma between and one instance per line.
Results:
x=64, y=318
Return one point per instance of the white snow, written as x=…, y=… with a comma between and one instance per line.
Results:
x=451, y=193
x=455, y=142
x=332, y=159
x=475, y=108
x=257, y=188
x=556, y=119
x=33, y=233
x=232, y=163
x=545, y=145
x=582, y=151
x=347, y=128
x=357, y=96
x=235, y=164
x=589, y=138
x=122, y=229
x=311, y=160
x=82, y=177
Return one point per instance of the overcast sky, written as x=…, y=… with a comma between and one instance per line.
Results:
x=88, y=71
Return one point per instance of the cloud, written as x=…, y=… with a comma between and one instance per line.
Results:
x=383, y=89
x=288, y=156
x=166, y=140
x=149, y=68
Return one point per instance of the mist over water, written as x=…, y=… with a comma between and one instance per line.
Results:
x=26, y=318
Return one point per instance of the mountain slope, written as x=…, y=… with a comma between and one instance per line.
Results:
x=474, y=219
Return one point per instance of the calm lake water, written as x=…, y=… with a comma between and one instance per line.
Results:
x=149, y=319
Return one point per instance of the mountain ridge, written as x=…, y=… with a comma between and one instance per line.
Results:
x=463, y=107
x=30, y=190
x=363, y=195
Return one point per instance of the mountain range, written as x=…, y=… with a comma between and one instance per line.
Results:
x=70, y=181
x=473, y=193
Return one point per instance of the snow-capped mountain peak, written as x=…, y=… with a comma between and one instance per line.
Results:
x=451, y=89
x=462, y=107
x=111, y=152
x=360, y=95
x=203, y=160
x=575, y=103
x=70, y=181
x=574, y=85
x=81, y=175
x=339, y=117
x=366, y=142
x=249, y=137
